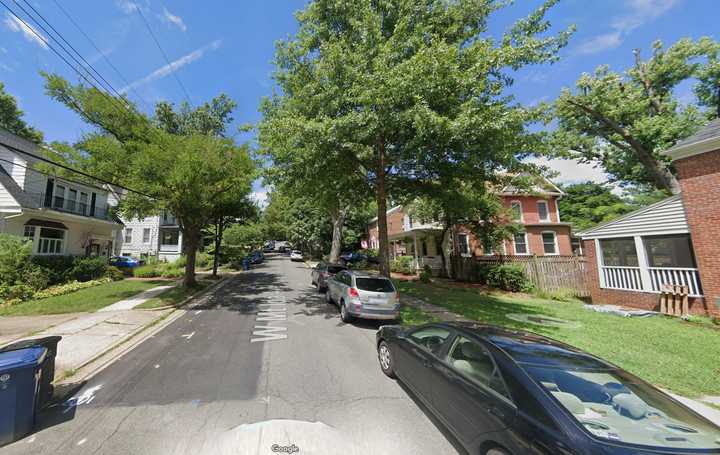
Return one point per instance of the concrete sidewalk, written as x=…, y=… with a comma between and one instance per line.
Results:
x=442, y=314
x=132, y=302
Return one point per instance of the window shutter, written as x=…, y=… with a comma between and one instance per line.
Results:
x=48, y=193
x=92, y=204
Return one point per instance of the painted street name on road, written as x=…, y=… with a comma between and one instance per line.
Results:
x=269, y=316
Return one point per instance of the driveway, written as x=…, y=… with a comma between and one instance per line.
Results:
x=264, y=365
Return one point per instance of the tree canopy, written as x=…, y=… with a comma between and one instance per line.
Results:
x=11, y=118
x=624, y=120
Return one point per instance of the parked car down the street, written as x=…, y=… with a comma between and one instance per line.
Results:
x=363, y=295
x=296, y=255
x=322, y=272
x=354, y=257
x=126, y=262
x=503, y=392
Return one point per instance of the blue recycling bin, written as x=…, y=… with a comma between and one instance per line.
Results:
x=20, y=375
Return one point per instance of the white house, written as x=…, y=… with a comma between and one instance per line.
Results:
x=60, y=216
x=157, y=236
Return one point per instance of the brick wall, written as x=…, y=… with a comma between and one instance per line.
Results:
x=642, y=300
x=700, y=182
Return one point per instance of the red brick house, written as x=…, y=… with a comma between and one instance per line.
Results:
x=537, y=211
x=674, y=241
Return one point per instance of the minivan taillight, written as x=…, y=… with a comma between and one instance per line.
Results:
x=354, y=292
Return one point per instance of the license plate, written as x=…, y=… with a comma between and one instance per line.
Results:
x=377, y=301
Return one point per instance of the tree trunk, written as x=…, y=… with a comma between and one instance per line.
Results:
x=191, y=241
x=338, y=222
x=381, y=196
x=219, y=226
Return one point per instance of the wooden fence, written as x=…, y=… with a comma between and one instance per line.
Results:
x=547, y=273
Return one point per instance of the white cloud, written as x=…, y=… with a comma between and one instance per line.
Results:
x=7, y=68
x=261, y=198
x=3, y=50
x=173, y=66
x=16, y=25
x=173, y=19
x=600, y=43
x=572, y=171
x=126, y=6
x=638, y=13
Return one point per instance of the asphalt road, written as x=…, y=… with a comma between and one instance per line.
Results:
x=225, y=379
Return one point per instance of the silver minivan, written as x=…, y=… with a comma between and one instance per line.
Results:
x=363, y=295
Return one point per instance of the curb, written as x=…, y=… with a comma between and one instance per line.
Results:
x=188, y=299
x=101, y=361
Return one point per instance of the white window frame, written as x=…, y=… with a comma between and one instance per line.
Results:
x=547, y=211
x=488, y=251
x=146, y=238
x=128, y=234
x=56, y=194
x=467, y=243
x=51, y=241
x=555, y=243
x=527, y=245
x=519, y=203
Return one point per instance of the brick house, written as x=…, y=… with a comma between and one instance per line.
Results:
x=671, y=242
x=537, y=211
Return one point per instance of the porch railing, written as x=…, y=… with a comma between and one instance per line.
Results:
x=675, y=275
x=631, y=278
x=625, y=278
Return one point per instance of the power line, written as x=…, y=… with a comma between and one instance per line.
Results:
x=42, y=38
x=100, y=52
x=167, y=60
x=68, y=168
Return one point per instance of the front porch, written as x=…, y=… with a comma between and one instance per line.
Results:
x=423, y=245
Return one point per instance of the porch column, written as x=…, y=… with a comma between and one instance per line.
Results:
x=598, y=257
x=415, y=251
x=643, y=263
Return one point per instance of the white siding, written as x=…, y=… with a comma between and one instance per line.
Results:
x=137, y=246
x=35, y=184
x=665, y=217
x=16, y=170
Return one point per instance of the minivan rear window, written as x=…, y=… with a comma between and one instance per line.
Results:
x=335, y=268
x=374, y=284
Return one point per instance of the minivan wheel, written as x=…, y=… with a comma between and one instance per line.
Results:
x=385, y=358
x=344, y=314
x=328, y=299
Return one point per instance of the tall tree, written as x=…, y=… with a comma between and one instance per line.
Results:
x=189, y=172
x=624, y=120
x=11, y=118
x=231, y=210
x=587, y=204
x=409, y=92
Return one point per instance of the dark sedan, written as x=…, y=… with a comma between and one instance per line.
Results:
x=502, y=392
x=321, y=273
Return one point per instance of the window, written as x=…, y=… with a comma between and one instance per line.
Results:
x=374, y=284
x=83, y=203
x=516, y=210
x=409, y=221
x=463, y=244
x=549, y=243
x=543, y=213
x=520, y=242
x=619, y=252
x=59, y=197
x=29, y=233
x=170, y=237
x=473, y=361
x=423, y=248
x=431, y=338
x=146, y=235
x=670, y=251
x=488, y=249
x=128, y=235
x=72, y=198
x=51, y=241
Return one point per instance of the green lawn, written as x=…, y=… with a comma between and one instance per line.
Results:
x=89, y=299
x=174, y=296
x=671, y=353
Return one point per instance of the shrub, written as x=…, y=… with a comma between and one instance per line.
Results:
x=180, y=262
x=87, y=268
x=36, y=277
x=20, y=292
x=114, y=273
x=202, y=259
x=509, y=277
x=14, y=258
x=67, y=288
x=56, y=267
x=403, y=264
x=426, y=274
x=146, y=271
x=172, y=272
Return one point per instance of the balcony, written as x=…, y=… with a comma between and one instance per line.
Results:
x=69, y=206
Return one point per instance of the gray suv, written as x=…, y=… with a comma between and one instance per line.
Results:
x=363, y=295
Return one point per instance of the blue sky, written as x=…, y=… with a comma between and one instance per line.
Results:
x=227, y=47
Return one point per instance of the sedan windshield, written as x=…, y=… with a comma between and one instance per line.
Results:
x=374, y=284
x=612, y=405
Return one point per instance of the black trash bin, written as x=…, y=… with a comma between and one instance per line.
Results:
x=48, y=366
x=20, y=373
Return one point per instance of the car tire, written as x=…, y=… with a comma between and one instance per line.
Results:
x=328, y=298
x=385, y=359
x=496, y=451
x=345, y=316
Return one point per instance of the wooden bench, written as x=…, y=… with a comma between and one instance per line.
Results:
x=674, y=300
